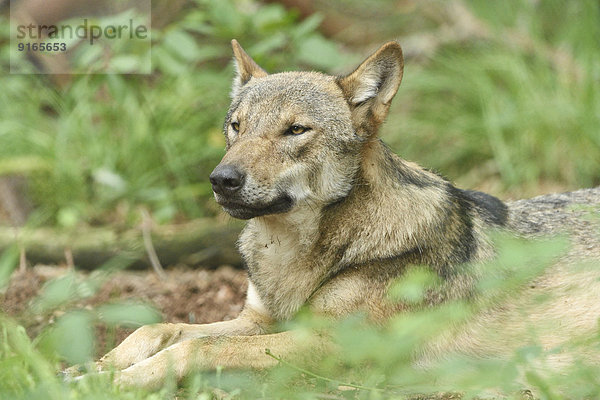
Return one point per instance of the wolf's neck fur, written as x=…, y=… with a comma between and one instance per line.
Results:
x=396, y=211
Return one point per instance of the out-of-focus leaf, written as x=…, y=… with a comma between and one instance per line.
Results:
x=182, y=44
x=68, y=217
x=269, y=16
x=110, y=179
x=56, y=292
x=316, y=50
x=23, y=164
x=226, y=18
x=130, y=315
x=8, y=262
x=265, y=46
x=73, y=337
x=411, y=288
x=307, y=26
x=164, y=61
x=124, y=64
x=88, y=55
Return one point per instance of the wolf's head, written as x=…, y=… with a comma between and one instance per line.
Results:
x=296, y=139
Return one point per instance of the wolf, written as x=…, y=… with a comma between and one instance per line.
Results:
x=334, y=217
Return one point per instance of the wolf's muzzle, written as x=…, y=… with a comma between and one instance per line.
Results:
x=227, y=179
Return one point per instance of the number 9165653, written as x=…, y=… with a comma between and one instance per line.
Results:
x=49, y=47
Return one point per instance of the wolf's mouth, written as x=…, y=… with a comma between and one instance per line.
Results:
x=240, y=210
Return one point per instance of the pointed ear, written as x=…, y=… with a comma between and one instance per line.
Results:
x=245, y=67
x=375, y=82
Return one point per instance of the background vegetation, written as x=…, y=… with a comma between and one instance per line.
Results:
x=502, y=96
x=499, y=96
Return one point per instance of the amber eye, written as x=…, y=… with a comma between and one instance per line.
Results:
x=297, y=130
x=235, y=126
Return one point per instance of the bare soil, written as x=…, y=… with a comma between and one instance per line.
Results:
x=185, y=295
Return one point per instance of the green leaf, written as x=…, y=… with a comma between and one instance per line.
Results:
x=124, y=64
x=269, y=16
x=130, y=315
x=88, y=56
x=56, y=292
x=110, y=179
x=73, y=337
x=23, y=164
x=276, y=41
x=412, y=287
x=182, y=44
x=166, y=62
x=68, y=217
x=308, y=26
x=319, y=52
x=8, y=262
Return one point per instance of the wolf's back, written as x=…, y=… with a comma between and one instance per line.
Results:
x=576, y=214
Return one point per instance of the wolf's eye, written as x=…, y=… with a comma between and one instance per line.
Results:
x=297, y=130
x=235, y=126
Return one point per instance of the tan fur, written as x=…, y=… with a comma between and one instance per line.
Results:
x=335, y=216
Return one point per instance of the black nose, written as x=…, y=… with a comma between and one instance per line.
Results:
x=227, y=179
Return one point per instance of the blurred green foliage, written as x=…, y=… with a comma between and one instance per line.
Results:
x=106, y=144
x=518, y=102
x=515, y=102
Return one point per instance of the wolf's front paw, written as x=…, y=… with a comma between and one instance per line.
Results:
x=72, y=373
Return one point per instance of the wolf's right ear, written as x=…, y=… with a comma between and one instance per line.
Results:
x=245, y=68
x=375, y=82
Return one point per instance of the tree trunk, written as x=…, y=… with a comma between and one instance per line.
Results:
x=203, y=242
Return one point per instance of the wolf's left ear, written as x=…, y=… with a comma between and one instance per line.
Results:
x=376, y=80
x=245, y=68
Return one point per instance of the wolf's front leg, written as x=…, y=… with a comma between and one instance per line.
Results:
x=150, y=339
x=180, y=359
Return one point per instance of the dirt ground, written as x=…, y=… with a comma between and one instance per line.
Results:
x=185, y=295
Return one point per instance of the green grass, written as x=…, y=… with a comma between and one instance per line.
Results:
x=520, y=105
x=105, y=145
